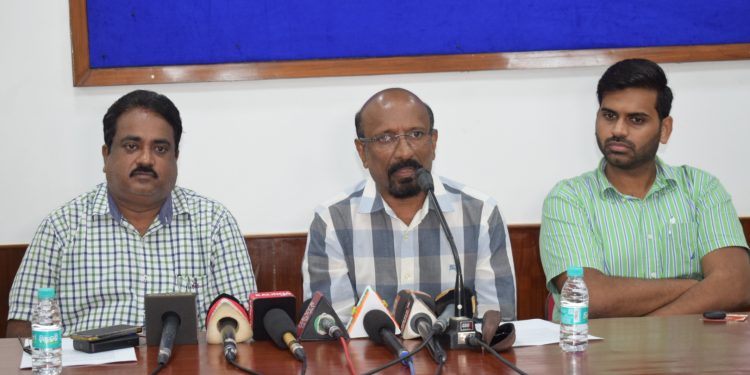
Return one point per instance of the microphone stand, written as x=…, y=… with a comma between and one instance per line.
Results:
x=424, y=180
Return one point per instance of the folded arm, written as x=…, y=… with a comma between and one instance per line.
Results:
x=624, y=296
x=726, y=285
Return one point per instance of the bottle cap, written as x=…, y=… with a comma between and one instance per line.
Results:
x=575, y=271
x=46, y=293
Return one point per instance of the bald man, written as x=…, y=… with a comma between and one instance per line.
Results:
x=384, y=233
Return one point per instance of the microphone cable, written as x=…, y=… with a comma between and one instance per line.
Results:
x=401, y=359
x=304, y=366
x=158, y=368
x=349, y=363
x=243, y=369
x=474, y=341
x=439, y=369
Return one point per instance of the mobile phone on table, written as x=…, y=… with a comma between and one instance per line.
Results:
x=105, y=332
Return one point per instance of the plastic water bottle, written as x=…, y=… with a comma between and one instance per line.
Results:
x=574, y=312
x=46, y=332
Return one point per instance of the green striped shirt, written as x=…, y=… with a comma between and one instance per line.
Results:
x=685, y=215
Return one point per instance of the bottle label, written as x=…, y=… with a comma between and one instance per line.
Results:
x=574, y=314
x=47, y=337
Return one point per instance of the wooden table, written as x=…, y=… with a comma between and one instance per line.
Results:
x=676, y=345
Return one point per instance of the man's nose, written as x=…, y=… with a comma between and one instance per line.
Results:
x=403, y=149
x=620, y=129
x=146, y=157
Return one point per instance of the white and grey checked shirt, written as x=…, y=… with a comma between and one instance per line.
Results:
x=356, y=240
x=102, y=268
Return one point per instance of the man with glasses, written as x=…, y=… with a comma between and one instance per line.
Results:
x=384, y=233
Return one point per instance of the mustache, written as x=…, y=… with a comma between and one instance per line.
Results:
x=408, y=163
x=144, y=169
x=619, y=140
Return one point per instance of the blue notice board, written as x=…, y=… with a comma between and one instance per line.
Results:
x=137, y=33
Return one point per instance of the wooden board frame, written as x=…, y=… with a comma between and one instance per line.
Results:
x=84, y=75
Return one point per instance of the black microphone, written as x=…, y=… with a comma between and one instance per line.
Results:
x=414, y=311
x=442, y=322
x=424, y=180
x=325, y=325
x=380, y=328
x=319, y=321
x=281, y=330
x=227, y=323
x=170, y=324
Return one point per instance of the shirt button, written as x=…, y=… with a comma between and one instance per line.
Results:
x=650, y=236
x=407, y=277
x=406, y=236
x=653, y=275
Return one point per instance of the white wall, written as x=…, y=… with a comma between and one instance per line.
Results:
x=272, y=150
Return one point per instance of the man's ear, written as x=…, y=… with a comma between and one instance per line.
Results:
x=105, y=153
x=666, y=129
x=434, y=142
x=361, y=151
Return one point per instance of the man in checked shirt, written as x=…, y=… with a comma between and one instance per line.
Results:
x=385, y=233
x=134, y=235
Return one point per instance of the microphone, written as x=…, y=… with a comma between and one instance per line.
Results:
x=170, y=324
x=414, y=311
x=380, y=328
x=170, y=320
x=280, y=329
x=319, y=321
x=262, y=302
x=424, y=180
x=457, y=329
x=226, y=323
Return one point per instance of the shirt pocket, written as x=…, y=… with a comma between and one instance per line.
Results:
x=680, y=256
x=190, y=283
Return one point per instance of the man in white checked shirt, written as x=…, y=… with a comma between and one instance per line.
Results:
x=385, y=233
x=134, y=235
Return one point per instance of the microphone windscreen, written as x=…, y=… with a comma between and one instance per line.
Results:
x=424, y=180
x=374, y=322
x=277, y=323
x=403, y=302
x=226, y=306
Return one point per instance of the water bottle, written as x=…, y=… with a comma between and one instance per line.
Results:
x=574, y=312
x=46, y=332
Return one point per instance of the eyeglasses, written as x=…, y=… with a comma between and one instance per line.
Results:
x=388, y=140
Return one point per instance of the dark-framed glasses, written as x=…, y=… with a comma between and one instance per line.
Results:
x=388, y=140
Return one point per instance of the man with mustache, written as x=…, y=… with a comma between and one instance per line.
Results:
x=134, y=235
x=654, y=239
x=384, y=232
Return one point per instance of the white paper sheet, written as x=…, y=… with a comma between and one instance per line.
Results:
x=72, y=357
x=538, y=332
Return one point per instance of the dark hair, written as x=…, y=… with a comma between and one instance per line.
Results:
x=639, y=73
x=358, y=115
x=145, y=99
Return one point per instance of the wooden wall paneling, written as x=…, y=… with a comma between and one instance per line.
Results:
x=530, y=281
x=277, y=262
x=10, y=259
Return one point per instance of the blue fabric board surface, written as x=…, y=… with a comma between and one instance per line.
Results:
x=125, y=33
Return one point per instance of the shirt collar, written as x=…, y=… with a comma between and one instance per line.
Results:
x=166, y=212
x=665, y=178
x=371, y=200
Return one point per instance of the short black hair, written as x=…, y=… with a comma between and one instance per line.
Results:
x=145, y=99
x=358, y=115
x=637, y=73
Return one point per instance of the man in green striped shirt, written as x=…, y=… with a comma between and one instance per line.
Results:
x=654, y=239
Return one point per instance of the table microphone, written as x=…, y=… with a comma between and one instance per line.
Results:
x=227, y=323
x=424, y=180
x=414, y=312
x=380, y=328
x=170, y=324
x=281, y=330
